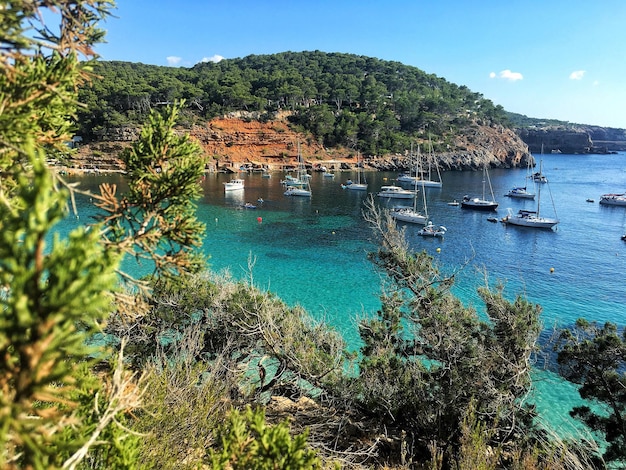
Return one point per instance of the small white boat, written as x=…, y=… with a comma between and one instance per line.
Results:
x=328, y=174
x=295, y=191
x=613, y=199
x=431, y=231
x=266, y=175
x=396, y=192
x=234, y=185
x=361, y=183
x=453, y=203
x=303, y=188
x=520, y=193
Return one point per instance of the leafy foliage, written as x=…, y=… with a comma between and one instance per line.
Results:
x=429, y=362
x=594, y=357
x=248, y=443
x=156, y=219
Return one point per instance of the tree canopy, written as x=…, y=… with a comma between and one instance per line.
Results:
x=342, y=99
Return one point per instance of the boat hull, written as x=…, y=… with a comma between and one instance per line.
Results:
x=357, y=187
x=534, y=222
x=479, y=205
x=613, y=200
x=234, y=185
x=293, y=191
x=408, y=215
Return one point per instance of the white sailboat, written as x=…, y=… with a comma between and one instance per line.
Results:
x=303, y=190
x=361, y=183
x=429, y=181
x=539, y=177
x=522, y=192
x=424, y=180
x=411, y=214
x=481, y=204
x=534, y=219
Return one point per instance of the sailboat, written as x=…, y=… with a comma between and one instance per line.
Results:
x=539, y=177
x=429, y=182
x=526, y=218
x=478, y=203
x=521, y=192
x=408, y=214
x=361, y=184
x=420, y=179
x=305, y=189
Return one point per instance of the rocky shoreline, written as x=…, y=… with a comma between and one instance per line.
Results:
x=231, y=143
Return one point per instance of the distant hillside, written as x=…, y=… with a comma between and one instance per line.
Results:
x=553, y=135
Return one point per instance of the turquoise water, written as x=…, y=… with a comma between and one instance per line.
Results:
x=313, y=252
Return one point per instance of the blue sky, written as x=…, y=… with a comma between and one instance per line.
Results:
x=561, y=59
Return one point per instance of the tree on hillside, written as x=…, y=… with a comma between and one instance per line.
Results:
x=429, y=363
x=594, y=357
x=56, y=292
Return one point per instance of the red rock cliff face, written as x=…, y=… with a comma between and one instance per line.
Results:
x=230, y=142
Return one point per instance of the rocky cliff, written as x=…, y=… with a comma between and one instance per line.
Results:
x=234, y=142
x=573, y=139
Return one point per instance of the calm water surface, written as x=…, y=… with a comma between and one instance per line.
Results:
x=314, y=251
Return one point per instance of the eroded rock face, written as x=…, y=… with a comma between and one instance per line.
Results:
x=570, y=141
x=232, y=142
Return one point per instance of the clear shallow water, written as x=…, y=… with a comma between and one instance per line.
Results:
x=313, y=251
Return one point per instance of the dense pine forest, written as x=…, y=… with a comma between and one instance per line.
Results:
x=342, y=99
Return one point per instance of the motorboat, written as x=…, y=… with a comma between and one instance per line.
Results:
x=234, y=185
x=395, y=192
x=431, y=230
x=613, y=199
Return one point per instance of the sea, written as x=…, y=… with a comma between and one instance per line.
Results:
x=313, y=251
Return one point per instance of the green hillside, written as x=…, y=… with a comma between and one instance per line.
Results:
x=359, y=102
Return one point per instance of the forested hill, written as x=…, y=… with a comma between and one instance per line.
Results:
x=378, y=107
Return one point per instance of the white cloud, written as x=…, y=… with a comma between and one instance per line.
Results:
x=507, y=75
x=216, y=58
x=173, y=60
x=577, y=75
